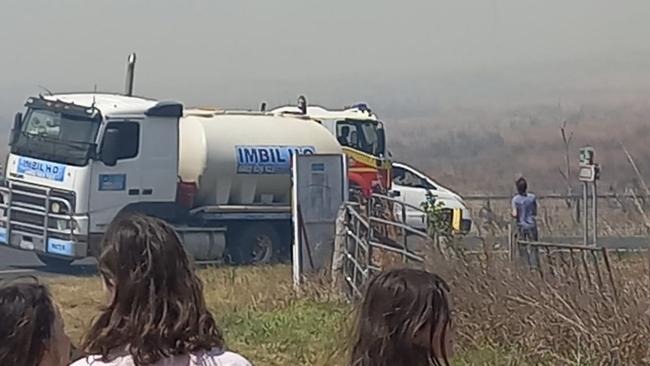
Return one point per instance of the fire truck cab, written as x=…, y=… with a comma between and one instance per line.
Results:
x=362, y=138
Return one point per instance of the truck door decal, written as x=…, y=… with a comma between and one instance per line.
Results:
x=41, y=169
x=268, y=159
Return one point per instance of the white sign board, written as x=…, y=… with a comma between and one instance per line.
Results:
x=319, y=188
x=590, y=173
x=587, y=174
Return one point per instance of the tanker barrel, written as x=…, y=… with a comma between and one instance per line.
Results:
x=245, y=159
x=130, y=75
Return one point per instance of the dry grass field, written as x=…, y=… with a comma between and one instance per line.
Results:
x=502, y=317
x=480, y=149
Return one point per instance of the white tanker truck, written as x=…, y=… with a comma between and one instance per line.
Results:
x=79, y=161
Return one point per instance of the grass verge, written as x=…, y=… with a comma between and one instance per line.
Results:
x=503, y=317
x=261, y=315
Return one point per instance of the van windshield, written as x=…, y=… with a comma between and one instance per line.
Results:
x=407, y=178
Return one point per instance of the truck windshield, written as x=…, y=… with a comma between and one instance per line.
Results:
x=56, y=136
x=361, y=135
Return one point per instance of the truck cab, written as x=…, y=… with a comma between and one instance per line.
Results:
x=362, y=138
x=76, y=161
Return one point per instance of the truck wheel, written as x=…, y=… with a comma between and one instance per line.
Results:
x=254, y=244
x=53, y=262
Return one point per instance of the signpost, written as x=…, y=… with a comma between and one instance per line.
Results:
x=589, y=174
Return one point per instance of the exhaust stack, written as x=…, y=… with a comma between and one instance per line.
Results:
x=302, y=104
x=130, y=75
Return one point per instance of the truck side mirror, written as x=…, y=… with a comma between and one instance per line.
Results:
x=110, y=147
x=18, y=126
x=381, y=135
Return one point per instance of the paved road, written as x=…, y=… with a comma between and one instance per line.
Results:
x=15, y=262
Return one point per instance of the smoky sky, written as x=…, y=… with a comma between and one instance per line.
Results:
x=392, y=53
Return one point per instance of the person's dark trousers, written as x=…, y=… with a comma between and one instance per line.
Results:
x=529, y=257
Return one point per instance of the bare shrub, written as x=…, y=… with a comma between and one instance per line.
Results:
x=511, y=309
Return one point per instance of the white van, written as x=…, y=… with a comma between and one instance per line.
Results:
x=411, y=187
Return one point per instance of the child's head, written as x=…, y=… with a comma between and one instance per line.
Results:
x=31, y=327
x=404, y=320
x=156, y=305
x=522, y=186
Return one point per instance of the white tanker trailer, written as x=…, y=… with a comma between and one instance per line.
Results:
x=243, y=158
x=79, y=161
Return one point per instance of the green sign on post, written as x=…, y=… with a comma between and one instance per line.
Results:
x=586, y=156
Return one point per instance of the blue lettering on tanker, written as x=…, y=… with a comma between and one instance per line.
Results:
x=41, y=169
x=268, y=159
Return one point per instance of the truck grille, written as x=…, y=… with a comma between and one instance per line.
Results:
x=29, y=211
x=28, y=199
x=28, y=218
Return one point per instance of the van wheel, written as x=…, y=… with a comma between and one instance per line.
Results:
x=253, y=244
x=53, y=262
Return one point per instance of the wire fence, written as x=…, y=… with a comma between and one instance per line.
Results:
x=561, y=215
x=589, y=268
x=367, y=248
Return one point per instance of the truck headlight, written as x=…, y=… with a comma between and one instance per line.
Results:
x=58, y=208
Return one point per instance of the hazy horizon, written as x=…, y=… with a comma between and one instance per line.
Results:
x=404, y=58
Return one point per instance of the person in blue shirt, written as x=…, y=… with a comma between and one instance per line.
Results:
x=524, y=211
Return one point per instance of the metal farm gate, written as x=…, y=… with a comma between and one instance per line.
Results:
x=373, y=240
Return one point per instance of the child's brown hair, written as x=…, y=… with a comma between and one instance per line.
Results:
x=404, y=319
x=157, y=308
x=26, y=322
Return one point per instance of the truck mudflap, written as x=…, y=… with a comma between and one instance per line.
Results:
x=28, y=223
